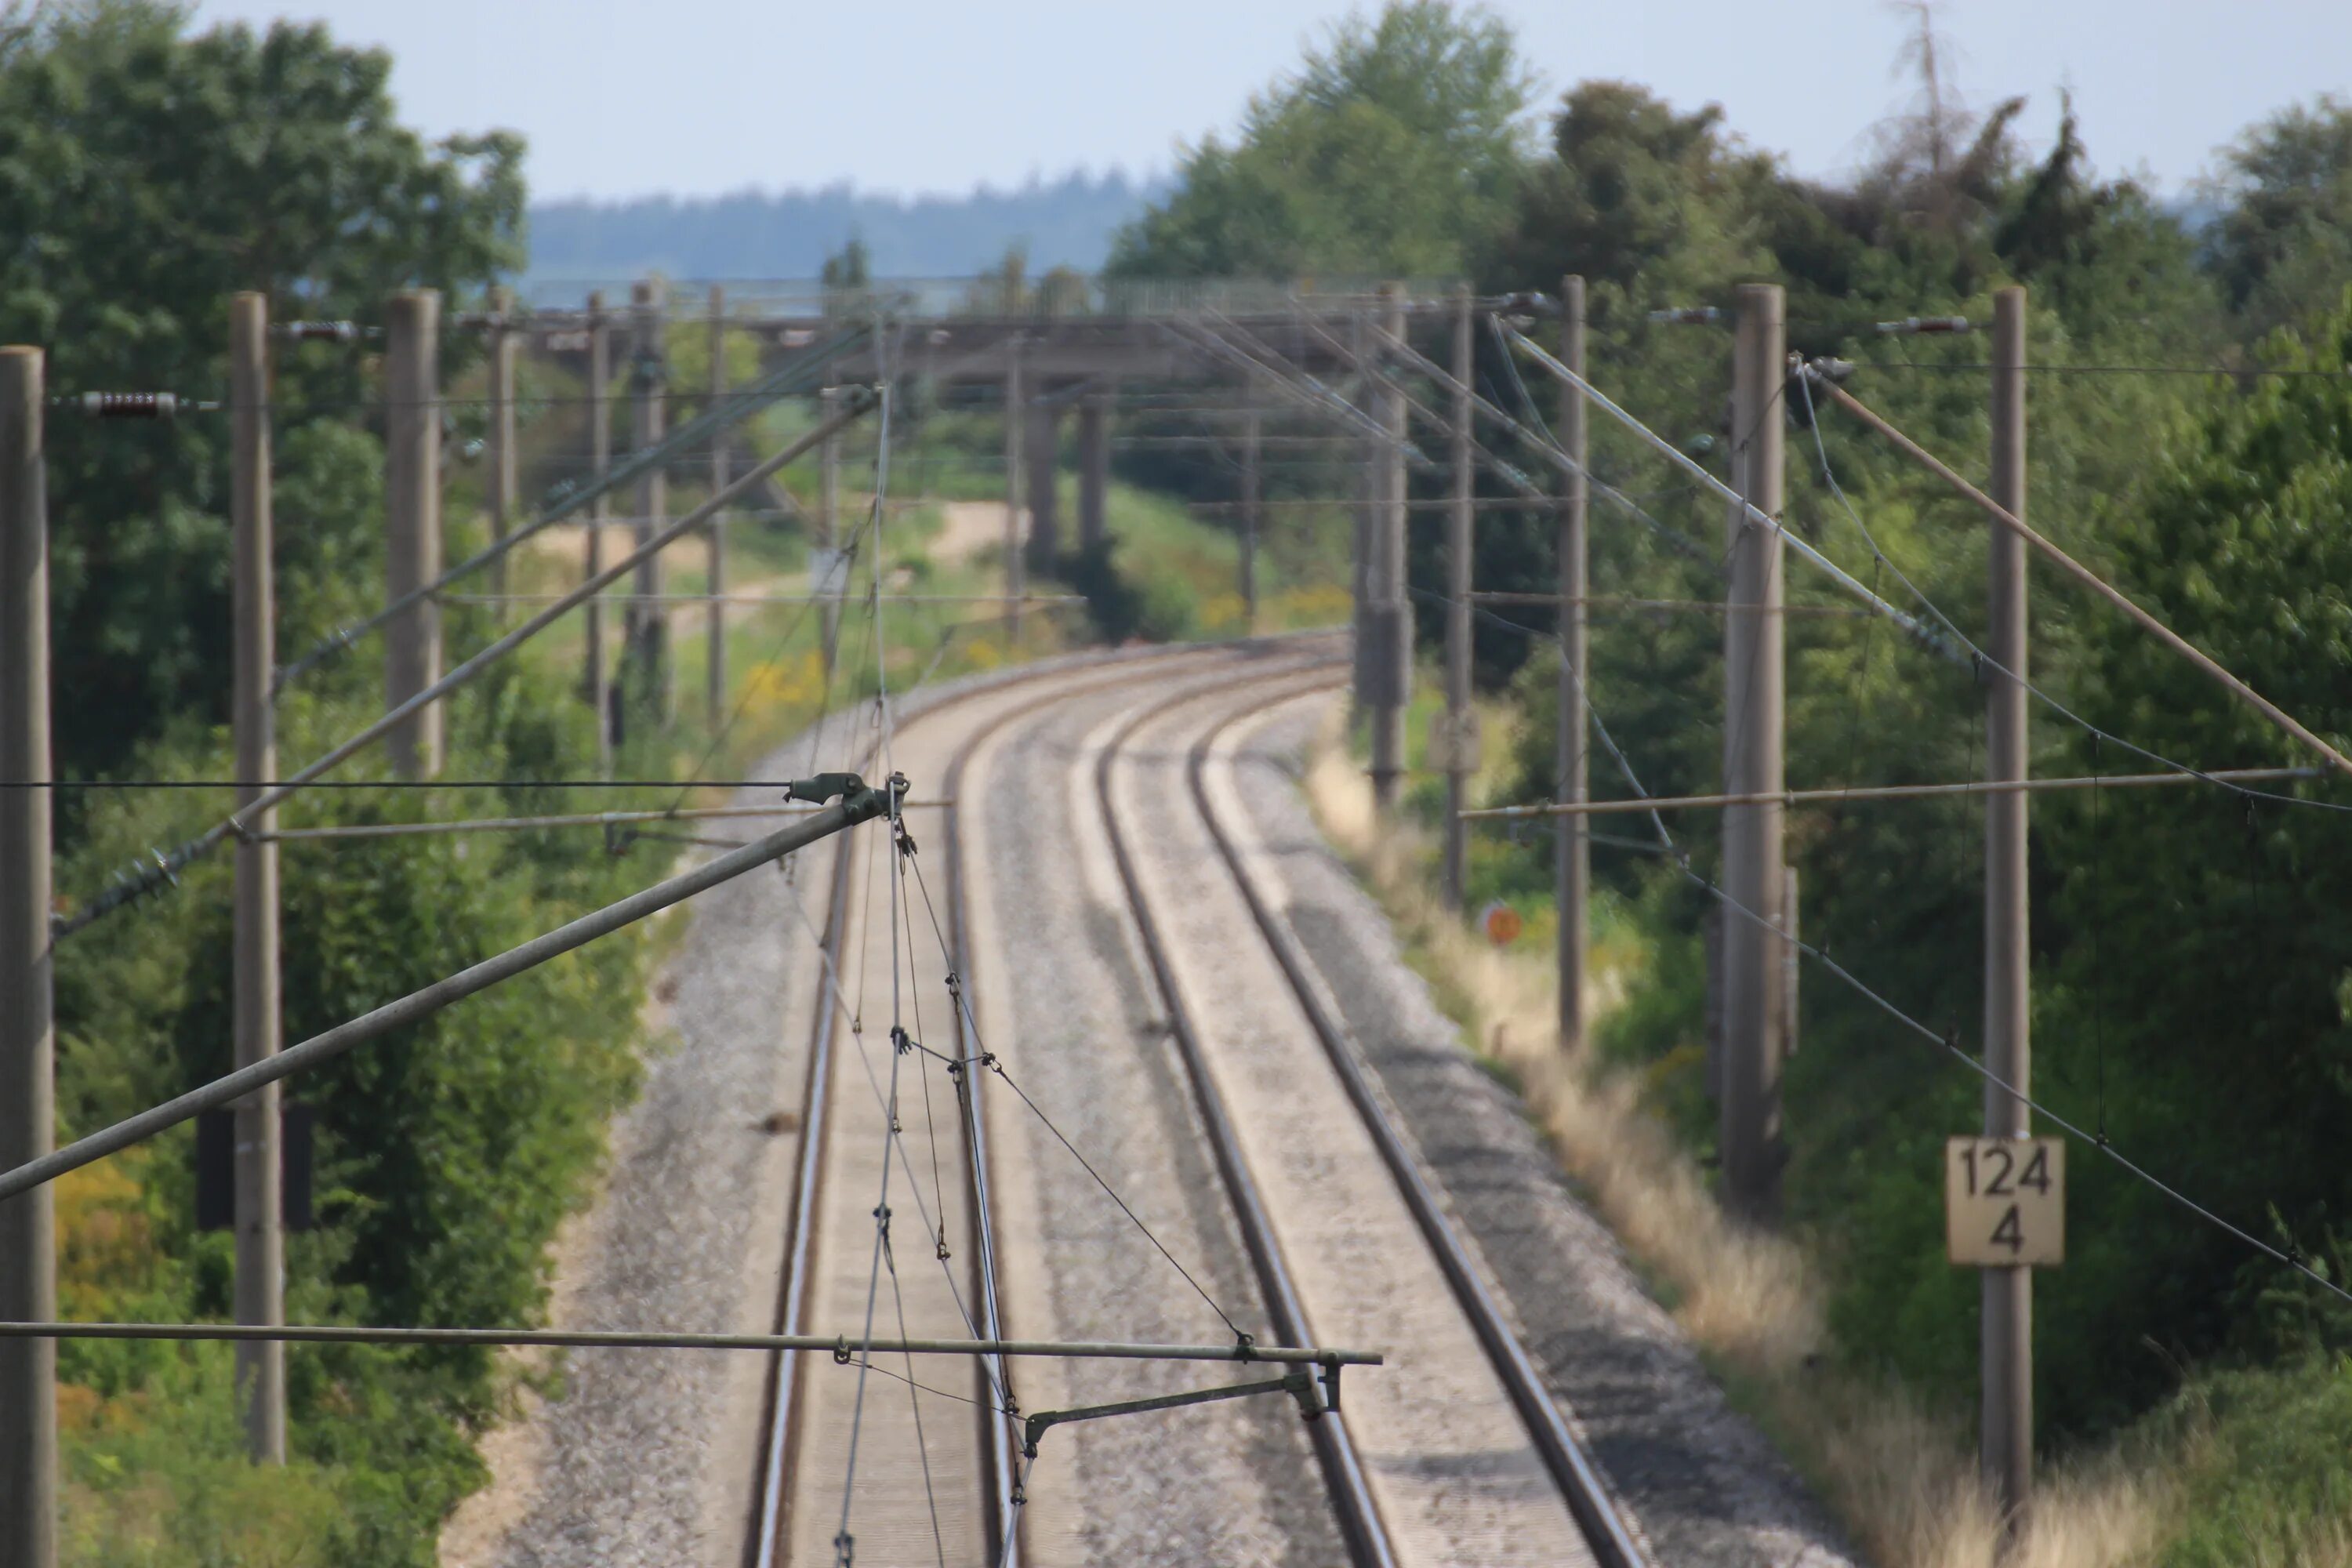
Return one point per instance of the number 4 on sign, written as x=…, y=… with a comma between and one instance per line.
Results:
x=2005, y=1202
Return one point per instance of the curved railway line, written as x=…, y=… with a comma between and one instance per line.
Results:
x=1457, y=1454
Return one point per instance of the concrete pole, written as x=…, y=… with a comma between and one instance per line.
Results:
x=1094, y=470
x=1458, y=545
x=1752, y=834
x=1249, y=513
x=600, y=459
x=715, y=584
x=1360, y=558
x=648, y=682
x=29, y=1249
x=1016, y=574
x=829, y=527
x=2007, y=1352
x=505, y=460
x=1390, y=622
x=411, y=517
x=1045, y=444
x=260, y=1284
x=1573, y=844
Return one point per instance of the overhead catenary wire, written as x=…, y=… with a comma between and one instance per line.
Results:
x=655, y=1338
x=165, y=868
x=1841, y=794
x=2204, y=662
x=571, y=497
x=852, y=807
x=1945, y=1041
x=1928, y=635
x=1986, y=660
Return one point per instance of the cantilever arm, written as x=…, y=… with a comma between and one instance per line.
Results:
x=1299, y=1383
x=857, y=804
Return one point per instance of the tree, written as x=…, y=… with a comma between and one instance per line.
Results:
x=1394, y=151
x=2283, y=243
x=2215, y=971
x=147, y=173
x=849, y=271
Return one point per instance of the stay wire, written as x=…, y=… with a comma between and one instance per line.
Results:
x=1987, y=661
x=1682, y=543
x=933, y=1229
x=2099, y=928
x=938, y=1392
x=1948, y=1042
x=966, y=1084
x=931, y=1127
x=995, y=1064
x=922, y=1445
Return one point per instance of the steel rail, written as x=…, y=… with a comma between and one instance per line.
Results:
x=808, y=1176
x=1361, y=1524
x=997, y=1444
x=780, y=1449
x=1605, y=1528
x=772, y=1485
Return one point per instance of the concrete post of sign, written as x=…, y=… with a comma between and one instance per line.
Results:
x=2007, y=1351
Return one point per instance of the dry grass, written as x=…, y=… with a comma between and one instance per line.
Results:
x=1902, y=1478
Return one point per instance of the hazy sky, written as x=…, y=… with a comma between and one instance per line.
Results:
x=696, y=97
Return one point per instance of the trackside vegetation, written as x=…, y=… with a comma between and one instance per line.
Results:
x=2190, y=437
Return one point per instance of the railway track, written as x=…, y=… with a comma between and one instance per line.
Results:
x=1386, y=1515
x=781, y=1529
x=1456, y=1455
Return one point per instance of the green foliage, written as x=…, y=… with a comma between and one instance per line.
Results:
x=2283, y=244
x=2265, y=1484
x=2217, y=508
x=150, y=171
x=447, y=1153
x=1393, y=149
x=2238, y=542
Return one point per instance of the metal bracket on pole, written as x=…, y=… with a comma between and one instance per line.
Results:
x=1300, y=1385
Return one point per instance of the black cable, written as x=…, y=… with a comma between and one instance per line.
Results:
x=1949, y=1043
x=1987, y=662
x=922, y=1447
x=931, y=1127
x=996, y=1065
x=393, y=784
x=2098, y=926
x=2282, y=371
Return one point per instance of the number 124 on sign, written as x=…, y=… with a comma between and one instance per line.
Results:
x=2005, y=1202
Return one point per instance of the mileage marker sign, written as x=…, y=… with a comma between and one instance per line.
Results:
x=2005, y=1202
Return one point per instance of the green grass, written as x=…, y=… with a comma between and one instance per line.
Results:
x=2261, y=1457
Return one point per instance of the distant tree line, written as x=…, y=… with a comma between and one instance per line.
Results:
x=1067, y=222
